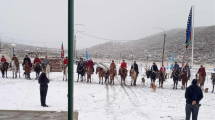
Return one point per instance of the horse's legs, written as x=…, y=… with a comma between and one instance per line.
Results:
x=213, y=87
x=102, y=80
x=174, y=84
x=159, y=82
x=78, y=77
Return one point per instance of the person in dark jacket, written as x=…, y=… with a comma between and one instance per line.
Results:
x=135, y=68
x=27, y=59
x=176, y=66
x=193, y=95
x=154, y=67
x=43, y=81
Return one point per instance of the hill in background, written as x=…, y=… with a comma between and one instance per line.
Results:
x=152, y=47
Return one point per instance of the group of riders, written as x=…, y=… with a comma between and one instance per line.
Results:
x=27, y=64
x=179, y=70
x=82, y=65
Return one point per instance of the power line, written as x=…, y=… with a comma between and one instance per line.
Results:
x=106, y=39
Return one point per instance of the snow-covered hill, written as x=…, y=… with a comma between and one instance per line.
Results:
x=152, y=46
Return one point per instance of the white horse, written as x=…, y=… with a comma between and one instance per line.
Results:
x=15, y=69
x=65, y=72
x=47, y=70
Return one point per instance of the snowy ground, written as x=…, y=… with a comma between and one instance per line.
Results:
x=104, y=102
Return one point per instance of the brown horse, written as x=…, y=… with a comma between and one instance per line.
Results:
x=184, y=79
x=101, y=73
x=112, y=75
x=161, y=78
x=133, y=77
x=123, y=74
x=200, y=81
x=89, y=73
x=213, y=80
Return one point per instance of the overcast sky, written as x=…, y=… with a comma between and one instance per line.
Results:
x=45, y=21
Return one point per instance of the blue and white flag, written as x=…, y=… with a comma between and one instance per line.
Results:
x=87, y=57
x=172, y=59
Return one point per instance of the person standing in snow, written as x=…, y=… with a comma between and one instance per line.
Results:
x=43, y=81
x=193, y=95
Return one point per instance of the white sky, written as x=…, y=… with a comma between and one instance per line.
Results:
x=46, y=20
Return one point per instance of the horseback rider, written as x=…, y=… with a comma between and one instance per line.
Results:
x=45, y=62
x=27, y=59
x=3, y=59
x=16, y=61
x=123, y=65
x=65, y=62
x=90, y=64
x=154, y=67
x=135, y=66
x=80, y=66
x=37, y=60
x=112, y=65
x=202, y=70
x=185, y=70
x=176, y=66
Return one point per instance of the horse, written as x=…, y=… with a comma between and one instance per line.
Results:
x=89, y=73
x=175, y=75
x=107, y=74
x=112, y=75
x=27, y=70
x=37, y=69
x=148, y=73
x=15, y=69
x=161, y=78
x=213, y=80
x=101, y=73
x=123, y=74
x=65, y=71
x=4, y=68
x=47, y=70
x=133, y=77
x=81, y=71
x=184, y=79
x=200, y=80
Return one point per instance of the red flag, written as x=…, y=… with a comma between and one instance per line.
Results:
x=62, y=51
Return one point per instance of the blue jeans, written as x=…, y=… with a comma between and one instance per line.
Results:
x=194, y=109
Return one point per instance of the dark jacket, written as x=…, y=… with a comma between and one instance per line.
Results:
x=26, y=59
x=176, y=67
x=80, y=67
x=136, y=68
x=193, y=92
x=43, y=81
x=154, y=68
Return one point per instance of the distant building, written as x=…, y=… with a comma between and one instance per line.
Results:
x=41, y=54
x=6, y=47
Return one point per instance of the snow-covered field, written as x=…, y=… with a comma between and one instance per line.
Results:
x=104, y=102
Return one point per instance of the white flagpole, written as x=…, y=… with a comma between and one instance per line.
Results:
x=193, y=9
